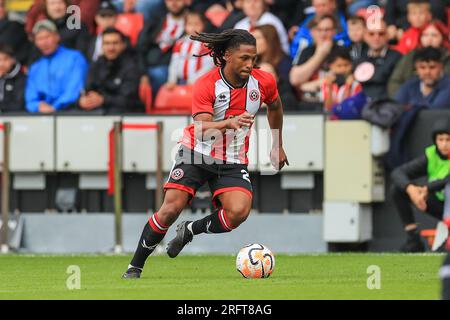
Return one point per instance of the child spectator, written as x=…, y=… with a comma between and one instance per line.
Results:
x=433, y=35
x=189, y=58
x=12, y=82
x=257, y=14
x=396, y=16
x=269, y=50
x=356, y=30
x=419, y=15
x=339, y=84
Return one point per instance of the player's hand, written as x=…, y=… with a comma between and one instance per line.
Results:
x=278, y=158
x=244, y=120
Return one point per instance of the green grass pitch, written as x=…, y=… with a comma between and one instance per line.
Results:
x=328, y=276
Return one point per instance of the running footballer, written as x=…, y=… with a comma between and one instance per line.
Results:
x=214, y=148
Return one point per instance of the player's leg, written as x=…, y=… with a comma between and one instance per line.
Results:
x=232, y=194
x=234, y=211
x=156, y=228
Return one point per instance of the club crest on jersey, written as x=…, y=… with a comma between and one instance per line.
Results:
x=254, y=95
x=177, y=174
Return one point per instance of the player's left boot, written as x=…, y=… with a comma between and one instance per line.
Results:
x=183, y=237
x=132, y=273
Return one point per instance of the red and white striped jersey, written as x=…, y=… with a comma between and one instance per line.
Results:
x=213, y=94
x=185, y=63
x=172, y=29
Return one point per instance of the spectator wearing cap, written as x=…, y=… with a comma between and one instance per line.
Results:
x=88, y=8
x=157, y=39
x=303, y=37
x=13, y=35
x=377, y=62
x=105, y=18
x=71, y=37
x=12, y=82
x=55, y=81
x=113, y=80
x=431, y=88
x=256, y=12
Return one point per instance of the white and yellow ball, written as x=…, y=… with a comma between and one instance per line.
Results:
x=255, y=261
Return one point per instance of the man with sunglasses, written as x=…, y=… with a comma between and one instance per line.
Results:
x=377, y=62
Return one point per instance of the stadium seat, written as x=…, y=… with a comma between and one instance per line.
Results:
x=173, y=101
x=130, y=24
x=146, y=96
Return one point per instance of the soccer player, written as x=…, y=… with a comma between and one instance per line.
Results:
x=214, y=148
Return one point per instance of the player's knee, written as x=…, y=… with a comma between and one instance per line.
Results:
x=237, y=214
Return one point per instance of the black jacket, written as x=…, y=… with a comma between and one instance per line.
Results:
x=118, y=82
x=376, y=87
x=418, y=168
x=12, y=88
x=12, y=33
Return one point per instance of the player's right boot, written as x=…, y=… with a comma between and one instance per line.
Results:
x=183, y=237
x=132, y=273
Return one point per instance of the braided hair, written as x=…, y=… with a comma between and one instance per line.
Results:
x=219, y=43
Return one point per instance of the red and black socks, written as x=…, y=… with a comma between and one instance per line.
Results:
x=217, y=222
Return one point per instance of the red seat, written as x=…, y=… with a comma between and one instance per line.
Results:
x=130, y=24
x=146, y=96
x=173, y=101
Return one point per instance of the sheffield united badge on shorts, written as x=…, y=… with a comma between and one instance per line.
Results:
x=177, y=174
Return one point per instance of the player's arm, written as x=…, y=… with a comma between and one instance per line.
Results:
x=204, y=122
x=275, y=118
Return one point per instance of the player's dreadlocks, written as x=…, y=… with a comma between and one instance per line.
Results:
x=218, y=43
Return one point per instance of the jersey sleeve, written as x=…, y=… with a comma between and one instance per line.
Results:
x=270, y=87
x=202, y=100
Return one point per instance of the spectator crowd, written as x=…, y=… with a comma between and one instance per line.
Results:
x=322, y=52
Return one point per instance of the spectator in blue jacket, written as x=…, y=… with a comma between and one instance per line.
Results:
x=303, y=38
x=56, y=80
x=431, y=89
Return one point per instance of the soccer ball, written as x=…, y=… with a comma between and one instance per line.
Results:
x=255, y=261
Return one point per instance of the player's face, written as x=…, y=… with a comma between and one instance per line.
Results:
x=443, y=143
x=242, y=60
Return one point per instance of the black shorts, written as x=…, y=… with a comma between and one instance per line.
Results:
x=191, y=170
